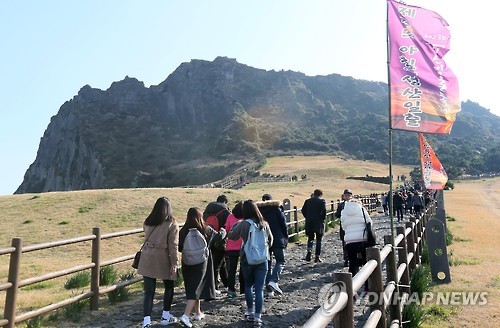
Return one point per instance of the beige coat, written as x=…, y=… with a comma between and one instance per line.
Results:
x=159, y=253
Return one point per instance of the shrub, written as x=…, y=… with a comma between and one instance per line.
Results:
x=413, y=315
x=79, y=280
x=438, y=312
x=449, y=236
x=39, y=285
x=120, y=294
x=294, y=239
x=180, y=279
x=107, y=276
x=86, y=208
x=449, y=185
x=420, y=280
x=74, y=311
x=425, y=255
x=36, y=322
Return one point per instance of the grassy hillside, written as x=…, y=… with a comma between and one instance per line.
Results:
x=59, y=215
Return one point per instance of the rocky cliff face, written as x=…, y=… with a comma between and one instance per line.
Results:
x=209, y=119
x=64, y=161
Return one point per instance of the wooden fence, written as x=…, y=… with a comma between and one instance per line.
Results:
x=14, y=283
x=400, y=261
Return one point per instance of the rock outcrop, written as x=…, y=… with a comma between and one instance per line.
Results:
x=210, y=119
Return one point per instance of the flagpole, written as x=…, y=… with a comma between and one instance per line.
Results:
x=390, y=200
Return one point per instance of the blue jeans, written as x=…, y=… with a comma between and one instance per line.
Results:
x=254, y=275
x=279, y=255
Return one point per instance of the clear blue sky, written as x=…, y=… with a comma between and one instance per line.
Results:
x=50, y=49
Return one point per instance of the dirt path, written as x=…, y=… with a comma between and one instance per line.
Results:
x=300, y=281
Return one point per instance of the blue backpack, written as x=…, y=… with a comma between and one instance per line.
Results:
x=256, y=247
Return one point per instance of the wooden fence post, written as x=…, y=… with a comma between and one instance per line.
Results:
x=11, y=295
x=376, y=285
x=391, y=267
x=410, y=246
x=286, y=209
x=96, y=259
x=296, y=220
x=332, y=209
x=345, y=318
x=403, y=258
x=415, y=240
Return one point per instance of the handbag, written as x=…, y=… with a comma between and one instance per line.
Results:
x=371, y=237
x=137, y=257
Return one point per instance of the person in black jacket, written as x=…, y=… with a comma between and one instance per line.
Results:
x=273, y=214
x=314, y=210
x=220, y=209
x=398, y=201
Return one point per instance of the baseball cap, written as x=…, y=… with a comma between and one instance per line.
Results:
x=348, y=191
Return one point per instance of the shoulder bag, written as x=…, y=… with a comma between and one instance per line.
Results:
x=137, y=257
x=371, y=237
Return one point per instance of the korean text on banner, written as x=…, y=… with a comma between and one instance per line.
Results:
x=433, y=173
x=423, y=90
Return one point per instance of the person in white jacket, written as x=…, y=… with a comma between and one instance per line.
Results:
x=353, y=218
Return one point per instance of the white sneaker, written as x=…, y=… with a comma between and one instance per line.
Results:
x=169, y=321
x=199, y=317
x=185, y=321
x=217, y=292
x=275, y=287
x=270, y=294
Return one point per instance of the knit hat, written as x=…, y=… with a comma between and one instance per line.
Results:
x=266, y=197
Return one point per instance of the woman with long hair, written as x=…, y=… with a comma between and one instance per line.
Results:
x=254, y=276
x=159, y=259
x=199, y=279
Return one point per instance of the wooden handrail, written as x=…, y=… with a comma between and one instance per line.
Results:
x=56, y=274
x=52, y=244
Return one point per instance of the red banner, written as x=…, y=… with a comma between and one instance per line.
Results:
x=433, y=173
x=423, y=90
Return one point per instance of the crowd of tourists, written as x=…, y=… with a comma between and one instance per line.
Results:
x=408, y=199
x=221, y=248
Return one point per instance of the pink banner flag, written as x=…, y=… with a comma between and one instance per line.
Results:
x=423, y=90
x=433, y=173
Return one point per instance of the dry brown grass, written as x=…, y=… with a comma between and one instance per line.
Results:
x=475, y=205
